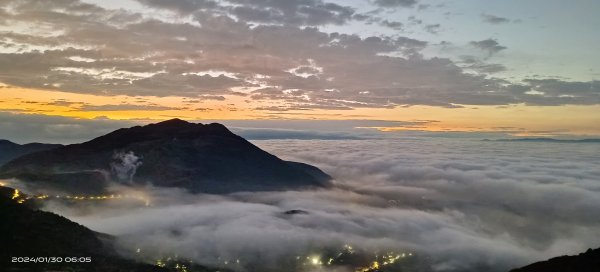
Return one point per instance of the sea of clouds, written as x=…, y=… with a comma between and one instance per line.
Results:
x=460, y=204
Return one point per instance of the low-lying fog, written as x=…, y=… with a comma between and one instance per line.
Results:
x=463, y=204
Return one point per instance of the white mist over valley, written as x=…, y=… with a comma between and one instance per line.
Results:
x=453, y=204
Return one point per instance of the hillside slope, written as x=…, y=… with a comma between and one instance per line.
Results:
x=202, y=158
x=10, y=150
x=588, y=261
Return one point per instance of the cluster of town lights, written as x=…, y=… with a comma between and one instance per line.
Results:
x=378, y=263
x=20, y=198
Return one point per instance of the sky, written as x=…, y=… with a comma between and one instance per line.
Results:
x=517, y=68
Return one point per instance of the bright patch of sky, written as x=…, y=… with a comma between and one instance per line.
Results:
x=544, y=38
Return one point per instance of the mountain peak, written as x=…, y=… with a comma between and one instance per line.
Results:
x=185, y=126
x=174, y=122
x=174, y=153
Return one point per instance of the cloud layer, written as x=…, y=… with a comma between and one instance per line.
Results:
x=271, y=52
x=462, y=205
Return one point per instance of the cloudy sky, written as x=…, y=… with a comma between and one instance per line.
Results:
x=514, y=67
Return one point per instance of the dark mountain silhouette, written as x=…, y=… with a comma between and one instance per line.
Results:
x=28, y=232
x=10, y=150
x=202, y=158
x=588, y=261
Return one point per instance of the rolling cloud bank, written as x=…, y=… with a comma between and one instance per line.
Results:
x=453, y=204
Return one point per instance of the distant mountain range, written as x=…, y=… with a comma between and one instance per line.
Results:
x=588, y=261
x=10, y=150
x=551, y=140
x=202, y=158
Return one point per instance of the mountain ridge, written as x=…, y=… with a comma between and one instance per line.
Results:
x=588, y=261
x=10, y=150
x=205, y=158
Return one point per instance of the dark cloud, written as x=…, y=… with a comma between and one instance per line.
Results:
x=305, y=12
x=433, y=28
x=361, y=17
x=475, y=64
x=492, y=19
x=487, y=68
x=490, y=46
x=181, y=6
x=395, y=3
x=124, y=107
x=423, y=6
x=553, y=92
x=165, y=83
x=413, y=20
x=392, y=24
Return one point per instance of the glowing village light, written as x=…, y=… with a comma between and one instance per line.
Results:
x=16, y=194
x=349, y=248
x=384, y=260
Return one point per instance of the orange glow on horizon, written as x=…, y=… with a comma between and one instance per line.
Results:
x=520, y=119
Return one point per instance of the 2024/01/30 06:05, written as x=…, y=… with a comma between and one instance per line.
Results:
x=51, y=259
